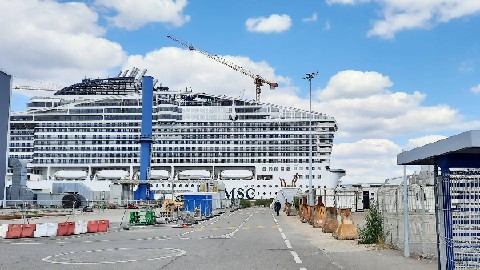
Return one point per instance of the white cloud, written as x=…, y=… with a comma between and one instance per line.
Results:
x=367, y=109
x=399, y=15
x=187, y=69
x=56, y=42
x=273, y=24
x=312, y=18
x=411, y=14
x=366, y=160
x=133, y=14
x=346, y=2
x=353, y=84
x=475, y=89
x=421, y=141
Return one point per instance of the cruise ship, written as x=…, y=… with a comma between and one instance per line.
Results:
x=86, y=136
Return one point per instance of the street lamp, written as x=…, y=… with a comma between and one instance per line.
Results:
x=309, y=77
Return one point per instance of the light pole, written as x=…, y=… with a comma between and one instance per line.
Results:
x=309, y=77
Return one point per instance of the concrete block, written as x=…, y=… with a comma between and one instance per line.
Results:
x=331, y=222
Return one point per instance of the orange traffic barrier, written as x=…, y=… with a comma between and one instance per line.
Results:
x=70, y=228
x=92, y=226
x=28, y=230
x=103, y=225
x=14, y=231
x=346, y=229
x=331, y=222
x=62, y=229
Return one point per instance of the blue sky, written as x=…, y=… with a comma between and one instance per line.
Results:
x=396, y=74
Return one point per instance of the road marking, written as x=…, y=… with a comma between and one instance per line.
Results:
x=215, y=229
x=200, y=229
x=295, y=257
x=283, y=236
x=54, y=259
x=27, y=243
x=303, y=268
x=288, y=243
x=231, y=228
x=261, y=227
x=280, y=229
x=246, y=228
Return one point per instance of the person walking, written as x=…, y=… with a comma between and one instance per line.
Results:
x=277, y=207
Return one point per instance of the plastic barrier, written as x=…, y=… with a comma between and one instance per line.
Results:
x=14, y=231
x=92, y=226
x=331, y=222
x=80, y=227
x=3, y=230
x=346, y=229
x=103, y=225
x=62, y=229
x=52, y=229
x=28, y=230
x=41, y=230
x=70, y=228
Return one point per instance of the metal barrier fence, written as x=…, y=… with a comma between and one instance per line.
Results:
x=421, y=215
x=459, y=218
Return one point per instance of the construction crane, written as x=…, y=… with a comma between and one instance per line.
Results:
x=258, y=80
x=32, y=88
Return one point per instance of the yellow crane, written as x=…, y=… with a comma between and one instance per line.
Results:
x=258, y=80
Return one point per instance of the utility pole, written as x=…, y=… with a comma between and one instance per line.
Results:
x=309, y=77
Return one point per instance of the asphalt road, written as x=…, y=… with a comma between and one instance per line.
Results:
x=244, y=239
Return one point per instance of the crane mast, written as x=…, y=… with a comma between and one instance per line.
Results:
x=258, y=80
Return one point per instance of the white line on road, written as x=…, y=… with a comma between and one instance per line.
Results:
x=280, y=229
x=288, y=243
x=303, y=268
x=284, y=236
x=295, y=257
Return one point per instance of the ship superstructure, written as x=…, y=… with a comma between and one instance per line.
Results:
x=88, y=134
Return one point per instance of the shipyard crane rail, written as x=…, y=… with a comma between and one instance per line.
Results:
x=258, y=80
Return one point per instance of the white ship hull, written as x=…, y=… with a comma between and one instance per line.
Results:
x=92, y=128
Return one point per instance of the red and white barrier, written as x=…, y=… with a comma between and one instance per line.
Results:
x=14, y=231
x=28, y=230
x=9, y=231
x=41, y=230
x=52, y=229
x=92, y=226
x=3, y=230
x=80, y=227
x=103, y=225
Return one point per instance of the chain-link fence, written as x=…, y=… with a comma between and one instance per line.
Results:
x=421, y=215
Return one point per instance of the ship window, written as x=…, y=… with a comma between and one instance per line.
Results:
x=264, y=169
x=288, y=169
x=282, y=169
